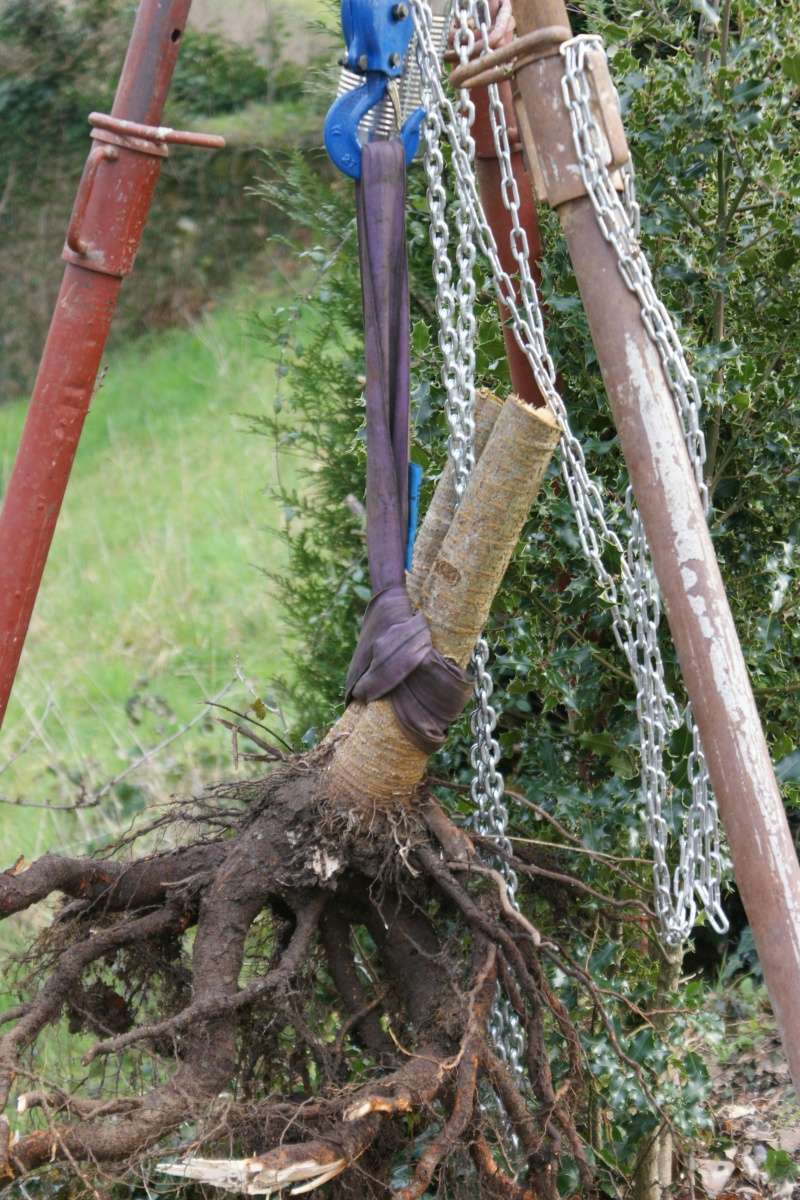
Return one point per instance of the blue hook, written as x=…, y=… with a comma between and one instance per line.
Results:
x=377, y=35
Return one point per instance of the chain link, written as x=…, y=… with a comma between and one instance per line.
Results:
x=458, y=386
x=634, y=604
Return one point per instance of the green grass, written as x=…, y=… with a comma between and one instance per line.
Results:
x=275, y=125
x=154, y=590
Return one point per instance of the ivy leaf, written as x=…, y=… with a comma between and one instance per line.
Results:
x=788, y=769
x=420, y=337
x=791, y=67
x=780, y=1166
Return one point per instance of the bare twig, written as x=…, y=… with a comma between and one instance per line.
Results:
x=251, y=720
x=512, y=913
x=271, y=753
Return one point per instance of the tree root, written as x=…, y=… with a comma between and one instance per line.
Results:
x=307, y=921
x=309, y=990
x=306, y=992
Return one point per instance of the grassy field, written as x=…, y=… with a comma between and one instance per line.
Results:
x=249, y=20
x=154, y=595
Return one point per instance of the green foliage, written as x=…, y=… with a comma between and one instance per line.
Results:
x=780, y=1166
x=58, y=63
x=214, y=76
x=704, y=139
x=708, y=109
x=716, y=146
x=55, y=62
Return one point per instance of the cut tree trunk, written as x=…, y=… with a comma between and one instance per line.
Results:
x=376, y=765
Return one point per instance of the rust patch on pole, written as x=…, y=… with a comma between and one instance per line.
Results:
x=109, y=215
x=764, y=857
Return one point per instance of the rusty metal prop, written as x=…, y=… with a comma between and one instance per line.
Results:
x=714, y=670
x=111, y=208
x=490, y=184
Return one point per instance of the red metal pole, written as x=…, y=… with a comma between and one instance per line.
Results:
x=111, y=208
x=487, y=170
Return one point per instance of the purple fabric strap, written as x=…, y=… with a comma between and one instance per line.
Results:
x=394, y=656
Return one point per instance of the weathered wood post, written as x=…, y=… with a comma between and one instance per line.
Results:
x=764, y=857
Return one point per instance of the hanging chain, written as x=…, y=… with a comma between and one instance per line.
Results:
x=459, y=395
x=488, y=786
x=464, y=40
x=618, y=223
x=634, y=605
x=457, y=340
x=699, y=869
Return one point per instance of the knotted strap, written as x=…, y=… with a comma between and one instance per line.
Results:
x=395, y=656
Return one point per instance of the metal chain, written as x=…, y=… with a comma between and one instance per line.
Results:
x=491, y=818
x=487, y=788
x=635, y=624
x=464, y=40
x=458, y=395
x=488, y=785
x=618, y=225
x=699, y=869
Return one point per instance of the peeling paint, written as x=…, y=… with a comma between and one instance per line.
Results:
x=751, y=805
x=698, y=607
x=658, y=417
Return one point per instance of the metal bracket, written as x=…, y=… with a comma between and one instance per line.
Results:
x=376, y=35
x=103, y=232
x=549, y=151
x=149, y=139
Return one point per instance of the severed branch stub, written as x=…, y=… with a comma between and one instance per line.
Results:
x=300, y=999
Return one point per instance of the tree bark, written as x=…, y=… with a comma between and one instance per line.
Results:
x=376, y=766
x=444, y=503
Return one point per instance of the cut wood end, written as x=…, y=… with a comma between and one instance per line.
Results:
x=378, y=1104
x=229, y=1174
x=254, y=1176
x=543, y=413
